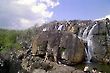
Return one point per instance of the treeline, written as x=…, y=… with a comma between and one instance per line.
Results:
x=8, y=39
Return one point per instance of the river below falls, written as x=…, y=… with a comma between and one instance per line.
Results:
x=100, y=67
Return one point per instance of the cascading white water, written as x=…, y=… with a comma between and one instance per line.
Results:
x=87, y=36
x=88, y=54
x=89, y=49
x=84, y=37
x=60, y=27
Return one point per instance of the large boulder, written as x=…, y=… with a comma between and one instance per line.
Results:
x=45, y=39
x=72, y=48
x=64, y=45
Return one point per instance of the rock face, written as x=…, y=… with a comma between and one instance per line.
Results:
x=46, y=41
x=97, y=36
x=72, y=48
x=100, y=41
x=63, y=45
x=37, y=65
x=66, y=45
x=95, y=33
x=3, y=65
x=12, y=63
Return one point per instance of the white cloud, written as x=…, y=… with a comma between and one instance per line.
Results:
x=25, y=2
x=107, y=16
x=25, y=13
x=39, y=8
x=42, y=9
x=51, y=3
x=24, y=21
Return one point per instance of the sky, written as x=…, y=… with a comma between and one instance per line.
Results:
x=82, y=9
x=22, y=14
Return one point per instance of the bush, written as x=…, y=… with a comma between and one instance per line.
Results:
x=8, y=39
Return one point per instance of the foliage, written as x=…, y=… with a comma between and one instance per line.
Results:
x=62, y=49
x=8, y=39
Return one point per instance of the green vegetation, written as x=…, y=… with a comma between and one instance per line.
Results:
x=62, y=49
x=8, y=39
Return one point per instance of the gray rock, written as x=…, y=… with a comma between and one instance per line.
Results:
x=39, y=71
x=53, y=41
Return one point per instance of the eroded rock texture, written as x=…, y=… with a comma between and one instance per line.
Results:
x=64, y=44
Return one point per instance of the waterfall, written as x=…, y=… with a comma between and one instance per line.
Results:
x=84, y=37
x=87, y=36
x=88, y=56
x=89, y=49
x=60, y=27
x=93, y=28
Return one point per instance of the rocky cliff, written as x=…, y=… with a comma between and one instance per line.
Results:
x=53, y=46
x=65, y=45
x=95, y=35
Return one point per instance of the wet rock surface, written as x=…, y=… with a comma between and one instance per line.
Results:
x=97, y=39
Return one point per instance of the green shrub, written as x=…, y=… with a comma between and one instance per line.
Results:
x=8, y=39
